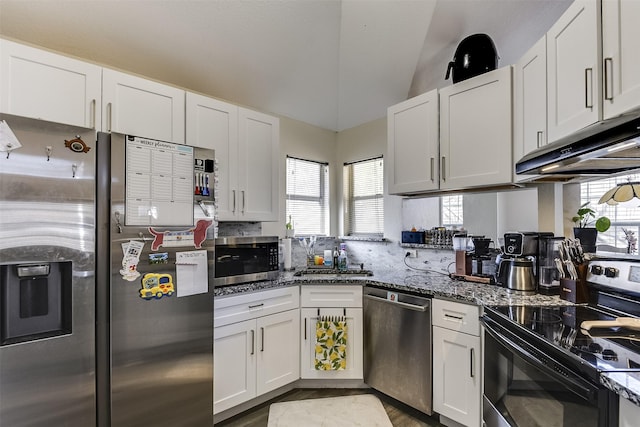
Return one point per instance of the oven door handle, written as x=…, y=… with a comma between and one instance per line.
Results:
x=580, y=388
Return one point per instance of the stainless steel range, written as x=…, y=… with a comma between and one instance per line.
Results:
x=543, y=364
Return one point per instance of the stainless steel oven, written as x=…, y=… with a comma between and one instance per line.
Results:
x=528, y=384
x=543, y=363
x=245, y=259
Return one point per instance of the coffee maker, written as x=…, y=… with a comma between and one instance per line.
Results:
x=517, y=268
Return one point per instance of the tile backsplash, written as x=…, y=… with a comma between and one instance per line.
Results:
x=373, y=255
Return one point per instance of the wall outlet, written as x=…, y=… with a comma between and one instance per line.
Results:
x=413, y=253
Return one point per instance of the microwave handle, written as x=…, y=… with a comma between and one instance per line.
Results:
x=578, y=388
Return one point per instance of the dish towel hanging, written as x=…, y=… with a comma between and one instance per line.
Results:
x=331, y=343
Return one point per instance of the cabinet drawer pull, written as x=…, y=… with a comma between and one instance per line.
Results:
x=253, y=342
x=261, y=339
x=539, y=136
x=257, y=305
x=471, y=357
x=93, y=113
x=432, y=160
x=451, y=316
x=608, y=79
x=588, y=84
x=109, y=113
x=234, y=201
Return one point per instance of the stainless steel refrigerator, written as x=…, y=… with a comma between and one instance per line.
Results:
x=47, y=275
x=106, y=279
x=155, y=243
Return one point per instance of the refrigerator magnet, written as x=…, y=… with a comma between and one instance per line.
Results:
x=159, y=258
x=132, y=250
x=191, y=237
x=156, y=285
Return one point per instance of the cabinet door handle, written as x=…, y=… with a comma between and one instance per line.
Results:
x=588, y=84
x=234, y=201
x=109, y=113
x=93, y=113
x=432, y=160
x=261, y=339
x=608, y=79
x=443, y=175
x=471, y=358
x=253, y=342
x=305, y=328
x=539, y=136
x=243, y=205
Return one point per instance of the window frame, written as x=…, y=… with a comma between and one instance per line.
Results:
x=349, y=200
x=323, y=198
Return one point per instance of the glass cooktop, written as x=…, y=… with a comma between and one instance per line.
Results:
x=604, y=348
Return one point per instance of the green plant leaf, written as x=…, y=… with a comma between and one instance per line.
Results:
x=602, y=224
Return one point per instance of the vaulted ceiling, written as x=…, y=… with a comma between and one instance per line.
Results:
x=331, y=63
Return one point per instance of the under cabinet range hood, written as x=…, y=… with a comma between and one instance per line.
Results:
x=607, y=147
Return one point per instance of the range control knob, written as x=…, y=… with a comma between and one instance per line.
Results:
x=611, y=272
x=596, y=270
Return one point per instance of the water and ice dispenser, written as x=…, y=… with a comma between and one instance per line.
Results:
x=35, y=301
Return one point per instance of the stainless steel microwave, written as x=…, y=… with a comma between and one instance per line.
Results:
x=245, y=259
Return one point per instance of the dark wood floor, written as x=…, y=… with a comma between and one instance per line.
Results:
x=399, y=414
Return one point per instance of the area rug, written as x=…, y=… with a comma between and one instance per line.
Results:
x=360, y=410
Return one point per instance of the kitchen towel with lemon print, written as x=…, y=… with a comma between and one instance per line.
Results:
x=331, y=343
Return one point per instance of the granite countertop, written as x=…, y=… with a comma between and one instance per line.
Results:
x=404, y=279
x=436, y=284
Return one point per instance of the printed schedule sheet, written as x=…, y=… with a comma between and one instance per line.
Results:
x=159, y=183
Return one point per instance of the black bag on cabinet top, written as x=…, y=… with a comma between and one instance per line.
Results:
x=475, y=55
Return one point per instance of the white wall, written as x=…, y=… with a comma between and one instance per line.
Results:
x=305, y=141
x=517, y=211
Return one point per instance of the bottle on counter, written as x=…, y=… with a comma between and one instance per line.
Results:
x=335, y=257
x=342, y=260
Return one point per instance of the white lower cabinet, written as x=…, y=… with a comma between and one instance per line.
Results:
x=332, y=301
x=457, y=363
x=252, y=357
x=354, y=365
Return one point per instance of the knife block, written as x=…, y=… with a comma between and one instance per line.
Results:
x=575, y=291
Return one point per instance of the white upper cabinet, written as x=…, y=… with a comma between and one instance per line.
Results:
x=42, y=85
x=247, y=146
x=212, y=124
x=621, y=62
x=136, y=106
x=476, y=131
x=530, y=101
x=258, y=166
x=573, y=65
x=412, y=145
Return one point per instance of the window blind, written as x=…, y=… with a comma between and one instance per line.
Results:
x=452, y=210
x=307, y=198
x=623, y=215
x=363, y=198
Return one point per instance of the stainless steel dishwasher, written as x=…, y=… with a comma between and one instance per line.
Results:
x=397, y=346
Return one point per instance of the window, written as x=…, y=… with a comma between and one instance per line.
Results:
x=363, y=198
x=451, y=209
x=623, y=215
x=307, y=202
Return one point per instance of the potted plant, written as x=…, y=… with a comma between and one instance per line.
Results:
x=584, y=218
x=290, y=232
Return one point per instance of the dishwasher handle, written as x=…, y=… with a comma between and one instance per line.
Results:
x=398, y=303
